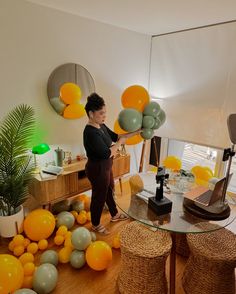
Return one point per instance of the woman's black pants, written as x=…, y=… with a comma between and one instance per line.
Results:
x=101, y=178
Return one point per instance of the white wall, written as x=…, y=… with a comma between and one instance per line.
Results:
x=35, y=40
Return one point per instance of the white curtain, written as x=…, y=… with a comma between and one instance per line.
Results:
x=193, y=78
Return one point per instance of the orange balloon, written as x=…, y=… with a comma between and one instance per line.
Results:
x=117, y=129
x=202, y=173
x=98, y=255
x=130, y=141
x=39, y=224
x=136, y=97
x=11, y=274
x=172, y=162
x=70, y=93
x=134, y=140
x=73, y=111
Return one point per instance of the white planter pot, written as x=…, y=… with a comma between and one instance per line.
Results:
x=12, y=225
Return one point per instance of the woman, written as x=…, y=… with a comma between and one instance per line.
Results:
x=98, y=143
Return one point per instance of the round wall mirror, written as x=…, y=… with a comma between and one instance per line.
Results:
x=74, y=81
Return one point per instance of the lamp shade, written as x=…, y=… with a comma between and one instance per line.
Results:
x=40, y=149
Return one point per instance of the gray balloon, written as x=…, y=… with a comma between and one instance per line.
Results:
x=157, y=124
x=78, y=205
x=81, y=238
x=49, y=256
x=65, y=218
x=152, y=108
x=162, y=116
x=130, y=119
x=24, y=291
x=77, y=259
x=148, y=122
x=45, y=278
x=93, y=236
x=147, y=134
x=58, y=207
x=58, y=105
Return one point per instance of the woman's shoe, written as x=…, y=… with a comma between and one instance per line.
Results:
x=100, y=229
x=119, y=217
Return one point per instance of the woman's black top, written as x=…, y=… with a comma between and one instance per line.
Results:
x=97, y=142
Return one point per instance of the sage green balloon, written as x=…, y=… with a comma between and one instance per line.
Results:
x=81, y=238
x=147, y=134
x=157, y=124
x=24, y=291
x=78, y=205
x=49, y=256
x=148, y=122
x=93, y=236
x=45, y=278
x=77, y=259
x=58, y=105
x=65, y=218
x=152, y=108
x=130, y=119
x=162, y=116
x=58, y=207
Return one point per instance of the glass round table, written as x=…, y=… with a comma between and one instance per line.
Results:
x=177, y=222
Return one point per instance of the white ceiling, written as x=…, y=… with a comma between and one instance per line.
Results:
x=149, y=16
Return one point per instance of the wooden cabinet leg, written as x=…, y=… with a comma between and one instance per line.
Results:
x=120, y=182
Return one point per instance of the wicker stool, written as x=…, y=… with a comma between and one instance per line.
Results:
x=143, y=259
x=210, y=267
x=182, y=247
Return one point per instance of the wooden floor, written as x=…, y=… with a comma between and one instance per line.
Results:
x=88, y=281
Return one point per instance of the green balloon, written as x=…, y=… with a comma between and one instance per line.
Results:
x=157, y=124
x=147, y=134
x=81, y=238
x=25, y=291
x=148, y=122
x=58, y=105
x=45, y=278
x=77, y=259
x=162, y=116
x=130, y=119
x=152, y=108
x=93, y=236
x=78, y=205
x=65, y=218
x=58, y=207
x=49, y=256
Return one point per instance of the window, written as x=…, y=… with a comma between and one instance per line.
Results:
x=193, y=154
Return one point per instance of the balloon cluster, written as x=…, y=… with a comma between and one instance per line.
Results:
x=138, y=113
x=67, y=104
x=78, y=248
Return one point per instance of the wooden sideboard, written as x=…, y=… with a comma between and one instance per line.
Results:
x=72, y=181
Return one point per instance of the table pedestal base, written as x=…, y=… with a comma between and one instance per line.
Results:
x=199, y=212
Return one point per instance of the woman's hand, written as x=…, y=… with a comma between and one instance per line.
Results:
x=121, y=140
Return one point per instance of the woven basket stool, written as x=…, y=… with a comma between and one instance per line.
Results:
x=143, y=259
x=182, y=247
x=210, y=267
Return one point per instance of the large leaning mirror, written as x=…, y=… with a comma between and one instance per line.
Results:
x=68, y=87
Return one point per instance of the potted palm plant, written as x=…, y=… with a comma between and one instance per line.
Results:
x=16, y=167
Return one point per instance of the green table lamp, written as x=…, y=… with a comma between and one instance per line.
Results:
x=39, y=149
